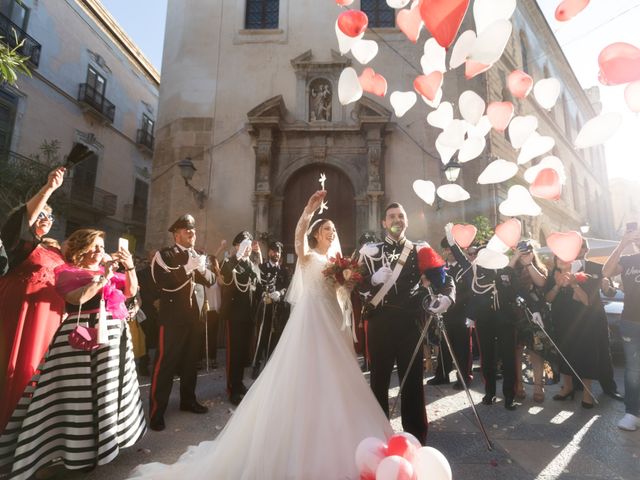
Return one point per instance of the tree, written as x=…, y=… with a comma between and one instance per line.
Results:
x=11, y=62
x=485, y=231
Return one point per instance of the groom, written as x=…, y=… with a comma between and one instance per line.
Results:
x=394, y=317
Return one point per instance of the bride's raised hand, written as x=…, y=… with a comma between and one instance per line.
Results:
x=315, y=200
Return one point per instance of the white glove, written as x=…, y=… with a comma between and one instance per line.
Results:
x=448, y=232
x=470, y=323
x=275, y=296
x=193, y=263
x=537, y=319
x=381, y=275
x=440, y=304
x=242, y=249
x=203, y=263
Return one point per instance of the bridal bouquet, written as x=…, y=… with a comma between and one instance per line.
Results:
x=343, y=269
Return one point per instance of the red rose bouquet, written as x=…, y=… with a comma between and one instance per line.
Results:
x=343, y=269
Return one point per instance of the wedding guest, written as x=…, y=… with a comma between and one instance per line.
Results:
x=83, y=405
x=31, y=308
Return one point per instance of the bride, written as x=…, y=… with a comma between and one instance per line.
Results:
x=309, y=409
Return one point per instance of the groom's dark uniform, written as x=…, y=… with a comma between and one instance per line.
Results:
x=394, y=328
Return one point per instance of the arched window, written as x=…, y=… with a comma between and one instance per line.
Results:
x=262, y=14
x=380, y=14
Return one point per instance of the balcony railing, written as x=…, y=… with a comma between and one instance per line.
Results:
x=13, y=35
x=135, y=213
x=91, y=198
x=96, y=100
x=145, y=139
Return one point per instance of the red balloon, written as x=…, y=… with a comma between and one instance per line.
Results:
x=401, y=446
x=632, y=96
x=464, y=234
x=471, y=69
x=619, y=63
x=353, y=22
x=373, y=82
x=509, y=232
x=428, y=85
x=546, y=185
x=344, y=3
x=565, y=246
x=569, y=9
x=499, y=114
x=519, y=83
x=443, y=18
x=410, y=22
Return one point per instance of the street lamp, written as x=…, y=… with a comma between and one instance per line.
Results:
x=585, y=228
x=187, y=169
x=452, y=170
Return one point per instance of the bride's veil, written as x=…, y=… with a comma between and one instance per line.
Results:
x=296, y=287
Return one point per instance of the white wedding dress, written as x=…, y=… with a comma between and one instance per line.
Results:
x=306, y=413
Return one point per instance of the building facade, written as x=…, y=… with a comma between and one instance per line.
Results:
x=91, y=85
x=249, y=95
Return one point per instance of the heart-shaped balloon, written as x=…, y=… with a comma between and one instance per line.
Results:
x=566, y=246
x=481, y=128
x=471, y=148
x=519, y=202
x=446, y=153
x=500, y=114
x=428, y=85
x=453, y=135
x=397, y=3
x=373, y=82
x=509, y=232
x=353, y=22
x=452, y=192
x=491, y=43
x=433, y=58
x=598, y=130
x=344, y=3
x=471, y=106
x=491, y=260
x=435, y=103
x=519, y=83
x=443, y=18
x=497, y=245
x=522, y=128
x=473, y=68
x=426, y=190
x=534, y=146
x=498, y=171
x=364, y=51
x=485, y=12
x=632, y=96
x=619, y=63
x=464, y=234
x=402, y=102
x=546, y=92
x=344, y=42
x=546, y=185
x=462, y=49
x=569, y=9
x=349, y=88
x=410, y=22
x=531, y=173
x=442, y=116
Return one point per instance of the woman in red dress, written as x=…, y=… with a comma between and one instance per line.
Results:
x=31, y=308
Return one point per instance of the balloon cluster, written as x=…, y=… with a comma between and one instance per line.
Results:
x=401, y=458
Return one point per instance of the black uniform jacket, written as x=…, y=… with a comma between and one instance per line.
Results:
x=236, y=302
x=273, y=278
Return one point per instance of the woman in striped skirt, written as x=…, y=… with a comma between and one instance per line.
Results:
x=82, y=406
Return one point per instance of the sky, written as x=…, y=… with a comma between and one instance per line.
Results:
x=603, y=22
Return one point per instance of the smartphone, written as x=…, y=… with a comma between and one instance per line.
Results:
x=525, y=246
x=123, y=243
x=632, y=226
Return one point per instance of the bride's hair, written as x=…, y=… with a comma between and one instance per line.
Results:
x=315, y=226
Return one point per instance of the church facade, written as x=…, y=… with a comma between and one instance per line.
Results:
x=249, y=94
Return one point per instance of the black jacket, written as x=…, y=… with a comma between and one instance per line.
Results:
x=237, y=299
x=273, y=278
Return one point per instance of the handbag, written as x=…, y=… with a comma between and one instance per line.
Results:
x=83, y=338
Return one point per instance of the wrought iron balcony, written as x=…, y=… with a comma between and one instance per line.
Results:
x=145, y=138
x=13, y=36
x=96, y=100
x=90, y=198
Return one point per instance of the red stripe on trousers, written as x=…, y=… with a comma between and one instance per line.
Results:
x=154, y=382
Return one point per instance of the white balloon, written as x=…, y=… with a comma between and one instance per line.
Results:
x=426, y=190
x=433, y=58
x=598, y=130
x=519, y=202
x=462, y=48
x=481, y=129
x=446, y=153
x=349, y=88
x=497, y=245
x=498, y=171
x=471, y=106
x=394, y=467
x=397, y=3
x=521, y=128
x=485, y=12
x=491, y=260
x=534, y=146
x=345, y=42
x=531, y=173
x=369, y=454
x=453, y=135
x=452, y=192
x=429, y=463
x=491, y=43
x=471, y=148
x=442, y=116
x=402, y=102
x=547, y=92
x=435, y=103
x=364, y=51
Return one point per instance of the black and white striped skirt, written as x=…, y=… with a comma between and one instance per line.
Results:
x=80, y=407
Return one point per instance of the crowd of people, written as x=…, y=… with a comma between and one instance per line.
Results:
x=79, y=325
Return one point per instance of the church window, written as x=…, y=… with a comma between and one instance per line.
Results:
x=262, y=14
x=380, y=14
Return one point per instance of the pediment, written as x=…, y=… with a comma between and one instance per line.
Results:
x=269, y=110
x=370, y=110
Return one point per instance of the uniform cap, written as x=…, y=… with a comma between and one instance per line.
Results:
x=185, y=221
x=243, y=235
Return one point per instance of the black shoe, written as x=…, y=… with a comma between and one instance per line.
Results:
x=488, y=400
x=236, y=398
x=157, y=424
x=586, y=405
x=509, y=404
x=242, y=389
x=458, y=385
x=438, y=381
x=255, y=372
x=562, y=398
x=616, y=395
x=193, y=407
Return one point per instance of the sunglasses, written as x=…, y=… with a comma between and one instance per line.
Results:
x=45, y=216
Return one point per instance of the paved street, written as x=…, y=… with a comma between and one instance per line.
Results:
x=556, y=440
